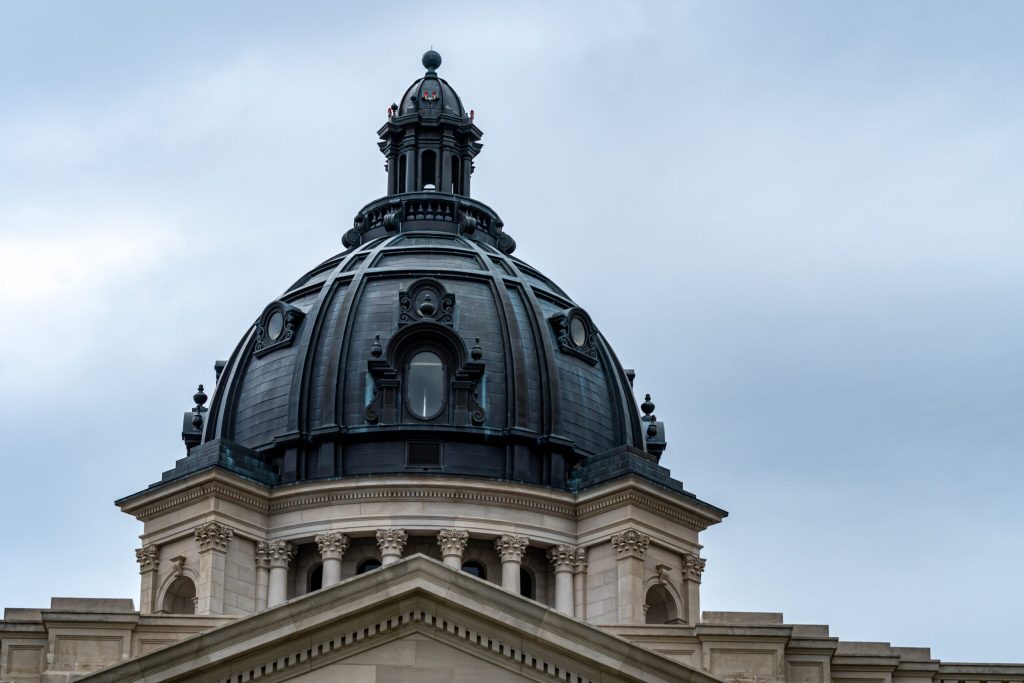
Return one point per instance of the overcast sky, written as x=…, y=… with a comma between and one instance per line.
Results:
x=802, y=225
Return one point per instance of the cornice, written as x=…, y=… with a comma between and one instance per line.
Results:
x=633, y=491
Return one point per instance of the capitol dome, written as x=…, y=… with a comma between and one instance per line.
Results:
x=426, y=347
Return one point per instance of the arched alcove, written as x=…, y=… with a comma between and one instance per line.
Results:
x=180, y=597
x=316, y=578
x=661, y=606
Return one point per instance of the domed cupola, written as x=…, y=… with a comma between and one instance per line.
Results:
x=425, y=347
x=429, y=139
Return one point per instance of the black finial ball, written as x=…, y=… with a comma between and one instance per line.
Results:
x=431, y=60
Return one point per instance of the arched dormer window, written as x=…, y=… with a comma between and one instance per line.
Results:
x=180, y=597
x=425, y=372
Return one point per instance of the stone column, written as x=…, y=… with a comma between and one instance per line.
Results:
x=563, y=559
x=262, y=574
x=148, y=557
x=453, y=545
x=332, y=547
x=280, y=554
x=579, y=580
x=511, y=549
x=213, y=539
x=630, y=546
x=391, y=543
x=693, y=568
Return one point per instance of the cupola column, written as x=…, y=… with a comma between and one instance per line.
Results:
x=391, y=543
x=563, y=559
x=579, y=580
x=262, y=574
x=281, y=554
x=332, y=548
x=453, y=544
x=213, y=539
x=511, y=549
x=693, y=568
x=630, y=546
x=148, y=557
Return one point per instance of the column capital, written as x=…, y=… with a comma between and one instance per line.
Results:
x=332, y=545
x=563, y=557
x=391, y=541
x=213, y=536
x=693, y=567
x=148, y=557
x=262, y=555
x=511, y=547
x=280, y=553
x=579, y=560
x=630, y=543
x=452, y=541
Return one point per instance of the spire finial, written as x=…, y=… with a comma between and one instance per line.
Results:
x=431, y=60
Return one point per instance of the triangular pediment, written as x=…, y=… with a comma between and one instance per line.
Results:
x=415, y=620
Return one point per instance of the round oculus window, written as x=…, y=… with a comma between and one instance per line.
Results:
x=424, y=385
x=578, y=331
x=275, y=325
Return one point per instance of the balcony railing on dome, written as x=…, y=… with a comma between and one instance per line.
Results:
x=428, y=211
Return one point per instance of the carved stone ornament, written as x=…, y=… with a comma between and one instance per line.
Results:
x=213, y=536
x=280, y=553
x=426, y=299
x=277, y=327
x=663, y=571
x=179, y=565
x=332, y=545
x=575, y=334
x=391, y=541
x=693, y=567
x=630, y=543
x=511, y=547
x=452, y=541
x=148, y=557
x=580, y=560
x=563, y=557
x=262, y=555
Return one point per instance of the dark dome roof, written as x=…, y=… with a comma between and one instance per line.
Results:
x=427, y=303
x=540, y=393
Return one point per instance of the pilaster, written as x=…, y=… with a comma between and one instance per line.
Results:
x=630, y=547
x=148, y=557
x=579, y=581
x=262, y=574
x=693, y=569
x=213, y=539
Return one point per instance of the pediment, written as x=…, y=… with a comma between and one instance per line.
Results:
x=415, y=620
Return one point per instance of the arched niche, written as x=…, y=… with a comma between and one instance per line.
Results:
x=661, y=606
x=180, y=596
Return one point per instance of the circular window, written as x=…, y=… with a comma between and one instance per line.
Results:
x=424, y=385
x=275, y=325
x=578, y=331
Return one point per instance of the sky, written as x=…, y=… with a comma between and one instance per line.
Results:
x=801, y=223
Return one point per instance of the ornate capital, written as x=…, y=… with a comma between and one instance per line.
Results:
x=511, y=547
x=213, y=536
x=693, y=567
x=452, y=541
x=148, y=557
x=391, y=541
x=332, y=545
x=262, y=555
x=579, y=560
x=630, y=543
x=563, y=557
x=280, y=553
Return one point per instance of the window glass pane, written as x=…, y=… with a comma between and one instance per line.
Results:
x=578, y=331
x=275, y=325
x=424, y=391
